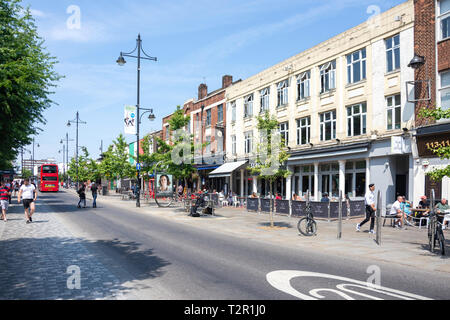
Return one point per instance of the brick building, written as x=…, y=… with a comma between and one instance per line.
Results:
x=207, y=115
x=432, y=89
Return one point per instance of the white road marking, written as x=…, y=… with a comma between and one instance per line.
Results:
x=281, y=280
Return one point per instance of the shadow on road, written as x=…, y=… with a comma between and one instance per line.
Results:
x=37, y=268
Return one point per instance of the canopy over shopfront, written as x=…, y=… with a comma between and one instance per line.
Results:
x=227, y=169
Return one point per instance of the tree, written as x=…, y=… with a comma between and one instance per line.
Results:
x=115, y=163
x=26, y=78
x=176, y=156
x=441, y=150
x=271, y=155
x=83, y=168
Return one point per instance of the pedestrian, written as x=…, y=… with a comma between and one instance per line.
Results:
x=9, y=186
x=16, y=188
x=5, y=193
x=28, y=194
x=94, y=190
x=369, y=200
x=82, y=194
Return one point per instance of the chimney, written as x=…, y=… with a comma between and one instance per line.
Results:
x=227, y=81
x=202, y=91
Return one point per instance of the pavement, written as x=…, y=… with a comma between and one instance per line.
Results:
x=36, y=261
x=36, y=258
x=403, y=247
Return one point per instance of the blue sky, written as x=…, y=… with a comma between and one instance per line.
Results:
x=194, y=41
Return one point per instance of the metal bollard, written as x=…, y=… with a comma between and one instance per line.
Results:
x=379, y=218
x=340, y=216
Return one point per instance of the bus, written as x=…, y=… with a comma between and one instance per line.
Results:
x=48, y=178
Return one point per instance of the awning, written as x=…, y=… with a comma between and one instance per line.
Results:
x=227, y=169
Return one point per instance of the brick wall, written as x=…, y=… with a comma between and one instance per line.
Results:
x=444, y=55
x=425, y=45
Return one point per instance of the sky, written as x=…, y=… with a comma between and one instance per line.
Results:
x=195, y=41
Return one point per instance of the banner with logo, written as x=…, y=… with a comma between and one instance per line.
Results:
x=130, y=120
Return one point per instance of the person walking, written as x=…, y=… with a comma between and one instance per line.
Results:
x=28, y=194
x=369, y=200
x=94, y=190
x=82, y=194
x=5, y=193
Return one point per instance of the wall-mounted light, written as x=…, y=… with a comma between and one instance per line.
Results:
x=416, y=62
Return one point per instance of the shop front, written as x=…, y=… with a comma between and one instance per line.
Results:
x=351, y=168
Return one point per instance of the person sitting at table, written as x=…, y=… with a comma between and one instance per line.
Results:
x=296, y=197
x=278, y=197
x=424, y=203
x=396, y=210
x=325, y=198
x=442, y=207
x=405, y=205
x=254, y=195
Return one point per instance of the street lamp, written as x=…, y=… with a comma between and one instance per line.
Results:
x=32, y=160
x=121, y=62
x=77, y=121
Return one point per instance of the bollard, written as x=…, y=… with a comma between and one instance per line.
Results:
x=432, y=225
x=379, y=218
x=340, y=216
x=329, y=211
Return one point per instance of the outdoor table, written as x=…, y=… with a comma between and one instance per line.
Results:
x=419, y=211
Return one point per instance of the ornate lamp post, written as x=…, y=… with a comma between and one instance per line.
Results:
x=121, y=62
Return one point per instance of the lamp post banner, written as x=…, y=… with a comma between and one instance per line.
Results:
x=130, y=120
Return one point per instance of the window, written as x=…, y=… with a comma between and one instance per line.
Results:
x=393, y=53
x=248, y=142
x=303, y=131
x=284, y=132
x=394, y=112
x=303, y=83
x=208, y=145
x=248, y=106
x=328, y=126
x=50, y=179
x=357, y=120
x=265, y=95
x=356, y=66
x=233, y=111
x=49, y=169
x=282, y=93
x=220, y=113
x=445, y=90
x=208, y=117
x=355, y=178
x=444, y=18
x=328, y=76
x=233, y=145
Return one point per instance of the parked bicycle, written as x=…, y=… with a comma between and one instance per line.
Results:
x=435, y=233
x=307, y=226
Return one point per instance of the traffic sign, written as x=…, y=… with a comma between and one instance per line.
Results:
x=138, y=166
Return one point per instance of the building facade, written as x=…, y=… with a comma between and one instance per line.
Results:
x=432, y=89
x=343, y=111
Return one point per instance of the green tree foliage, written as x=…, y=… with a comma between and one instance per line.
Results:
x=443, y=150
x=271, y=155
x=179, y=145
x=115, y=164
x=26, y=77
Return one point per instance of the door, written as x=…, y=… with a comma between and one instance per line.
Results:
x=400, y=185
x=430, y=185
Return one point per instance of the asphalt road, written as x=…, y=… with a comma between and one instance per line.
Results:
x=156, y=258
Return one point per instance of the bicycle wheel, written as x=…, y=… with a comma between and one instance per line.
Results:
x=307, y=227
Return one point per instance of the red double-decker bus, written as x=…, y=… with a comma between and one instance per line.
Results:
x=48, y=178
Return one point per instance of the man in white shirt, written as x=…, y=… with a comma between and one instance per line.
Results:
x=396, y=210
x=370, y=209
x=28, y=194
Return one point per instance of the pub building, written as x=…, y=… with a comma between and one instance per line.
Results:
x=431, y=64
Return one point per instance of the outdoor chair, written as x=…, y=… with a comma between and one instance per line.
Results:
x=236, y=202
x=388, y=215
